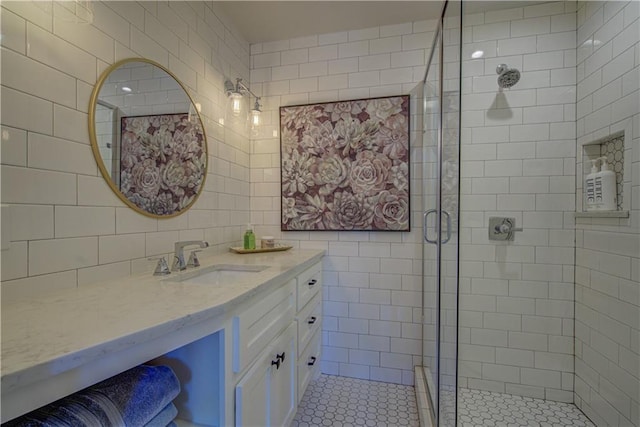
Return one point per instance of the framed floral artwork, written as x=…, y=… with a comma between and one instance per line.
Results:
x=162, y=161
x=345, y=165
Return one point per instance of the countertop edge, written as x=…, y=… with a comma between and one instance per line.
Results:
x=40, y=371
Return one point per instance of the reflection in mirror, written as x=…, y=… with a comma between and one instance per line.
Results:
x=106, y=136
x=148, y=138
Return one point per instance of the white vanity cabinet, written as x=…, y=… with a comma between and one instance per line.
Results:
x=242, y=352
x=268, y=393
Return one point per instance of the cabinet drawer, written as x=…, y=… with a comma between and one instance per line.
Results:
x=309, y=321
x=255, y=328
x=309, y=283
x=308, y=364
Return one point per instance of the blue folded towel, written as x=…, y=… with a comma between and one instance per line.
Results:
x=132, y=398
x=164, y=417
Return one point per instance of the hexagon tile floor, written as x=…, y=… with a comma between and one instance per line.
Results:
x=344, y=402
x=341, y=402
x=485, y=408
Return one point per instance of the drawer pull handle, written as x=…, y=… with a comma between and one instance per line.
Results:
x=281, y=357
x=276, y=362
x=312, y=361
x=312, y=282
x=312, y=320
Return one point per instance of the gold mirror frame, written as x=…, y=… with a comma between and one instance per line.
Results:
x=96, y=150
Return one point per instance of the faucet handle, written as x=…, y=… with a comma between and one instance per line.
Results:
x=193, y=259
x=178, y=263
x=162, y=268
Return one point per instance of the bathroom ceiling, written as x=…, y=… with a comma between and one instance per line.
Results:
x=262, y=21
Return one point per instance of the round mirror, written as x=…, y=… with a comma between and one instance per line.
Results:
x=148, y=138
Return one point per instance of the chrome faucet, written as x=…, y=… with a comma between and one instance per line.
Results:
x=178, y=259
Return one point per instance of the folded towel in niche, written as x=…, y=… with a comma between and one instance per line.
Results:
x=164, y=417
x=132, y=398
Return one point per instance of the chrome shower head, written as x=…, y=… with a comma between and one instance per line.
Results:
x=507, y=77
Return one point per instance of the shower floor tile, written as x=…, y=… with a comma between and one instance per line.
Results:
x=480, y=408
x=341, y=402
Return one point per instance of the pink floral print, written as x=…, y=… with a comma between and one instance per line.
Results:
x=345, y=165
x=163, y=162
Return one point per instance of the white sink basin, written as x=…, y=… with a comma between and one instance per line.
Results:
x=220, y=274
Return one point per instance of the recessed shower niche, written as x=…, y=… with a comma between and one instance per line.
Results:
x=611, y=147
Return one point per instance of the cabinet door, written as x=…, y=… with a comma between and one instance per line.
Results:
x=282, y=388
x=266, y=394
x=260, y=324
x=252, y=396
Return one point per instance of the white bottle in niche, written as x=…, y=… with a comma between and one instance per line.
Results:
x=590, y=187
x=606, y=179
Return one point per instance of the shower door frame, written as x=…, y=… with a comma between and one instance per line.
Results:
x=438, y=41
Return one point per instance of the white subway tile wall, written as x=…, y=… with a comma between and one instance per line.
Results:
x=67, y=228
x=607, y=277
x=580, y=64
x=373, y=280
x=511, y=309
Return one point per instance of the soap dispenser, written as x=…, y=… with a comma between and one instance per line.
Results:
x=606, y=181
x=590, y=187
x=249, y=238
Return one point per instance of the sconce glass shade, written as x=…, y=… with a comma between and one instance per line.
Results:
x=255, y=121
x=255, y=117
x=236, y=114
x=235, y=104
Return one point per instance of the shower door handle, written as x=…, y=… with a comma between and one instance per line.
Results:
x=448, y=227
x=424, y=226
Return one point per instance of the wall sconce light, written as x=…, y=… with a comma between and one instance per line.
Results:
x=235, y=94
x=255, y=115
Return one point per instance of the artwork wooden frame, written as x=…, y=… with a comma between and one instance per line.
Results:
x=345, y=166
x=162, y=162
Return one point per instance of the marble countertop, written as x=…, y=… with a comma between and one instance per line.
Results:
x=50, y=334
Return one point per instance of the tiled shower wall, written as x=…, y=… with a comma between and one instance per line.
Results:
x=373, y=287
x=518, y=160
x=66, y=227
x=607, y=347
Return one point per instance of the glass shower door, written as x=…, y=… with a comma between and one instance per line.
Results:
x=441, y=215
x=431, y=135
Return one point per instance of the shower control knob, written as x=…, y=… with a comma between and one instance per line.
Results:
x=506, y=228
x=501, y=228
